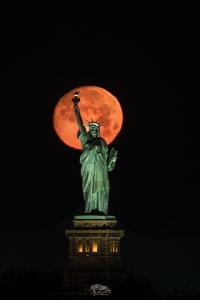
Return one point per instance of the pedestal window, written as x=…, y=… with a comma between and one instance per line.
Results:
x=94, y=246
x=114, y=246
x=80, y=246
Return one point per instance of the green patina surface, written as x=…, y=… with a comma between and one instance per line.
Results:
x=96, y=160
x=93, y=217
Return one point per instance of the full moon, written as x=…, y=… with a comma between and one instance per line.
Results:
x=96, y=103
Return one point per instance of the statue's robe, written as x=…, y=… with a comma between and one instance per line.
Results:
x=94, y=172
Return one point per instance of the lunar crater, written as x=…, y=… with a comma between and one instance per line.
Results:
x=115, y=126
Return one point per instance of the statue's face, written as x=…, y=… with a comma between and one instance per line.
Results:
x=94, y=131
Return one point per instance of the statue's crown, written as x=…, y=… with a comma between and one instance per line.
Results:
x=94, y=123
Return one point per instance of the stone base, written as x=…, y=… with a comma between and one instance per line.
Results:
x=89, y=276
x=94, y=224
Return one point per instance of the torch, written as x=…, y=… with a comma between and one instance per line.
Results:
x=75, y=98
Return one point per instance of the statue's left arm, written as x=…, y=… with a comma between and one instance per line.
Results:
x=112, y=159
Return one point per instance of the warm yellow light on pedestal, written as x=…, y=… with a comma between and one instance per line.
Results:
x=113, y=246
x=80, y=246
x=87, y=246
x=94, y=246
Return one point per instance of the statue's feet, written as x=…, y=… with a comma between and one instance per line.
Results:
x=101, y=213
x=96, y=212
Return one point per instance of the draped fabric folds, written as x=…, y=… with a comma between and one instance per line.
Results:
x=94, y=172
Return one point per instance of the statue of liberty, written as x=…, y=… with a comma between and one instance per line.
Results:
x=96, y=161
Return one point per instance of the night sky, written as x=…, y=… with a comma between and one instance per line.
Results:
x=151, y=64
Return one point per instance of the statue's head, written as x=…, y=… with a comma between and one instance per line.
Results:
x=94, y=130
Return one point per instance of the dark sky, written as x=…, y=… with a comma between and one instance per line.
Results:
x=150, y=62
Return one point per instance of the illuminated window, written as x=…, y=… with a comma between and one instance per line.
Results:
x=94, y=246
x=87, y=246
x=80, y=246
x=113, y=246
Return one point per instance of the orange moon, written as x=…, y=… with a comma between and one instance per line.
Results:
x=96, y=103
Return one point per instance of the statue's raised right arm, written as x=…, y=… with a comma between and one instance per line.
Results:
x=78, y=116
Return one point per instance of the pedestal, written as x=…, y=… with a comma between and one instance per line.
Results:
x=94, y=252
